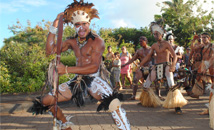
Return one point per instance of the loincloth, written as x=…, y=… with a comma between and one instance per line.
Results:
x=205, y=67
x=160, y=70
x=145, y=71
x=79, y=88
x=81, y=84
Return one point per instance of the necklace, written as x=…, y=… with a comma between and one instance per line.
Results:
x=81, y=43
x=160, y=45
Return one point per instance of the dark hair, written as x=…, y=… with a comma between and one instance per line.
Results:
x=206, y=33
x=109, y=47
x=116, y=53
x=143, y=38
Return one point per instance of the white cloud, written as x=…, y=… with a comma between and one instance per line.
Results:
x=7, y=7
x=33, y=2
x=24, y=5
x=126, y=13
x=134, y=13
x=116, y=23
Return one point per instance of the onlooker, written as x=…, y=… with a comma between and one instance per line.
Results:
x=125, y=71
x=108, y=62
x=109, y=57
x=186, y=58
x=116, y=69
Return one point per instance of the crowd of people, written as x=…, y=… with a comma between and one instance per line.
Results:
x=164, y=61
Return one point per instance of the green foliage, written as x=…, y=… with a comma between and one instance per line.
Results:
x=179, y=17
x=129, y=37
x=68, y=31
x=23, y=60
x=105, y=34
x=132, y=35
x=129, y=46
x=4, y=78
x=64, y=78
x=68, y=59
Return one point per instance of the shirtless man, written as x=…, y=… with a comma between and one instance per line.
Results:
x=88, y=49
x=195, y=60
x=195, y=54
x=140, y=73
x=207, y=64
x=162, y=68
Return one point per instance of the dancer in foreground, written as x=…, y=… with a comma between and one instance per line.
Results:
x=88, y=49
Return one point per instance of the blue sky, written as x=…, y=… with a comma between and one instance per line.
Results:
x=113, y=13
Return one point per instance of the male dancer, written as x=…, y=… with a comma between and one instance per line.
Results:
x=206, y=69
x=162, y=68
x=178, y=51
x=195, y=59
x=88, y=49
x=140, y=73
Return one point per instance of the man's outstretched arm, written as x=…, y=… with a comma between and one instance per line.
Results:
x=131, y=60
x=147, y=58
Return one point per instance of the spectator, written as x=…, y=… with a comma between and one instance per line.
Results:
x=108, y=62
x=125, y=71
x=186, y=58
x=116, y=70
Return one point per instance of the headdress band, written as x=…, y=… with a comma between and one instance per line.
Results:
x=155, y=27
x=80, y=12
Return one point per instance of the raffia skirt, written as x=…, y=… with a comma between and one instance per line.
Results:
x=174, y=99
x=149, y=99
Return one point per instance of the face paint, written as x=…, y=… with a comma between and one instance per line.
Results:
x=78, y=28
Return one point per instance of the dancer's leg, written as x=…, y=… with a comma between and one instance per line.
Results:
x=64, y=95
x=100, y=90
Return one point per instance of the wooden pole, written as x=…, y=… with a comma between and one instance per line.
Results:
x=59, y=48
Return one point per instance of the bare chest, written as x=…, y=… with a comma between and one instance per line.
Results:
x=83, y=54
x=159, y=49
x=207, y=52
x=142, y=53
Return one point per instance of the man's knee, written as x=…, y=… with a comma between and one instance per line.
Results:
x=47, y=100
x=114, y=105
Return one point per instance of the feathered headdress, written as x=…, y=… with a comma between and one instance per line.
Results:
x=169, y=35
x=80, y=11
x=156, y=27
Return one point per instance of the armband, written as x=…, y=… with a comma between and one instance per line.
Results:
x=53, y=30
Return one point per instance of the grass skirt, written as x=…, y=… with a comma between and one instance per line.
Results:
x=211, y=112
x=149, y=99
x=174, y=99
